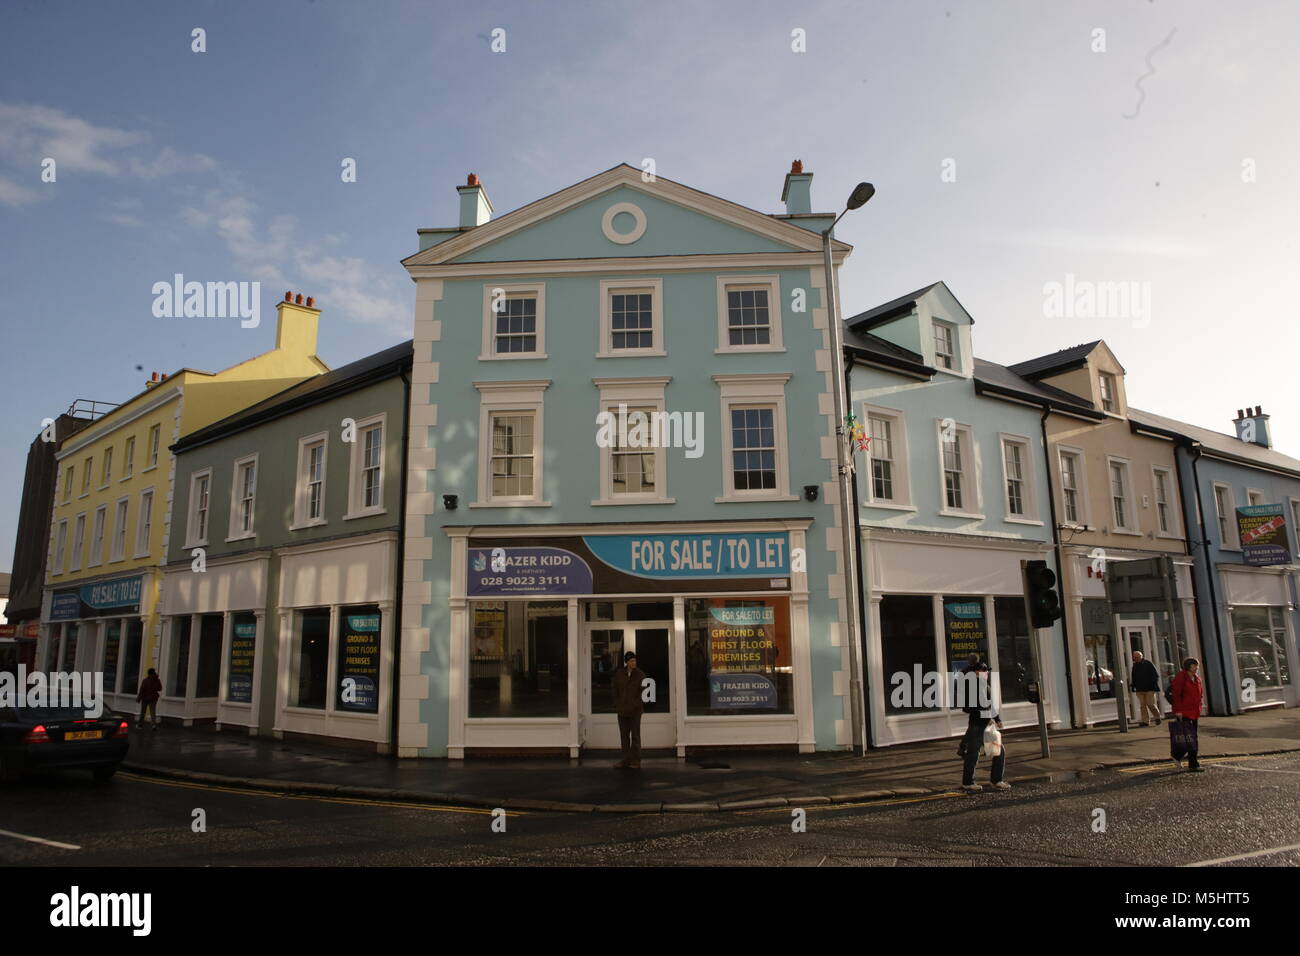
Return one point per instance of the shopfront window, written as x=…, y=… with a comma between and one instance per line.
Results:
x=243, y=648
x=519, y=659
x=178, y=658
x=1260, y=637
x=310, y=659
x=738, y=656
x=906, y=649
x=112, y=652
x=209, y=671
x=1015, y=660
x=131, y=656
x=1099, y=649
x=68, y=658
x=358, y=659
x=1173, y=649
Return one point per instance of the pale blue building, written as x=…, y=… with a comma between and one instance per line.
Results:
x=953, y=494
x=621, y=429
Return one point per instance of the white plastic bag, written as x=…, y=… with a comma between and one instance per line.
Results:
x=992, y=740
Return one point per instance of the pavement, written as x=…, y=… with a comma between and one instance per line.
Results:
x=736, y=780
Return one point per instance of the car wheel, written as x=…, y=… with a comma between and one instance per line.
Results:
x=104, y=773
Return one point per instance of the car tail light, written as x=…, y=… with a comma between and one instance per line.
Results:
x=37, y=735
x=122, y=728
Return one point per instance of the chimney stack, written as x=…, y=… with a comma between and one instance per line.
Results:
x=1252, y=426
x=475, y=207
x=797, y=194
x=296, y=324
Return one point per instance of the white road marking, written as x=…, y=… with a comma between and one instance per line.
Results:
x=33, y=839
x=1259, y=769
x=1247, y=856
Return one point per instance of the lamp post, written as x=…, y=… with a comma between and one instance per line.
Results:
x=848, y=519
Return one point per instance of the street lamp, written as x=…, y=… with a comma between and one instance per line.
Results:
x=848, y=519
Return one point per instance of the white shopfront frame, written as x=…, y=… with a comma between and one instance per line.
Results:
x=909, y=564
x=334, y=575
x=229, y=586
x=465, y=732
x=1245, y=586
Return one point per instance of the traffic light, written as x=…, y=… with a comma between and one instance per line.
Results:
x=1040, y=594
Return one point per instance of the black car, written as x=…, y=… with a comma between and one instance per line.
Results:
x=35, y=738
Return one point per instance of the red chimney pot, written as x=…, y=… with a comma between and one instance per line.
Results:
x=472, y=180
x=288, y=297
x=310, y=302
x=796, y=168
x=297, y=299
x=1240, y=413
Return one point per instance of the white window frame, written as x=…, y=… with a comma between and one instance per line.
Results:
x=646, y=392
x=154, y=439
x=1130, y=504
x=87, y=476
x=1102, y=379
x=60, y=545
x=902, y=475
x=506, y=397
x=970, y=470
x=234, y=531
x=355, y=486
x=1175, y=525
x=78, y=542
x=302, y=490
x=1029, y=494
x=610, y=287
x=1295, y=525
x=955, y=355
x=536, y=290
x=144, y=523
x=121, y=518
x=772, y=285
x=1081, y=481
x=68, y=479
x=1250, y=494
x=99, y=528
x=128, y=459
x=1232, y=540
x=755, y=390
x=192, y=540
x=106, y=468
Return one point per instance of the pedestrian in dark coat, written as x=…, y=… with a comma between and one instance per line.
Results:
x=1146, y=684
x=978, y=719
x=626, y=684
x=1188, y=693
x=150, y=691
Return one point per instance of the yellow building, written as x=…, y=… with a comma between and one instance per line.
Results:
x=112, y=515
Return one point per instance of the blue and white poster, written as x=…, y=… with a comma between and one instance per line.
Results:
x=496, y=571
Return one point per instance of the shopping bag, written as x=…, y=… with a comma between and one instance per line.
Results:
x=992, y=740
x=1182, y=737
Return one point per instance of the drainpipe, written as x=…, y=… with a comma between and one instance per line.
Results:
x=1060, y=565
x=1185, y=445
x=862, y=610
x=395, y=705
x=1209, y=573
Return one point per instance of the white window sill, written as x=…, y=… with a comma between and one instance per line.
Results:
x=1169, y=535
x=84, y=494
x=125, y=478
x=73, y=570
x=961, y=514
x=314, y=523
x=97, y=564
x=247, y=535
x=103, y=487
x=191, y=545
x=954, y=372
x=366, y=513
x=631, y=500
x=512, y=355
x=1131, y=534
x=509, y=503
x=632, y=353
x=150, y=468
x=139, y=555
x=738, y=500
x=743, y=349
x=888, y=506
x=1012, y=519
x=117, y=561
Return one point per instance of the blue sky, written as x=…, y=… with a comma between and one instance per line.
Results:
x=225, y=165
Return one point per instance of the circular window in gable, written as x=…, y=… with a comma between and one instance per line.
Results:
x=624, y=209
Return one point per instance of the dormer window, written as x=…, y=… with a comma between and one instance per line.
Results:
x=1106, y=385
x=944, y=353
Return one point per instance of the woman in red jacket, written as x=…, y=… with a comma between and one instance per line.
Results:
x=1188, y=693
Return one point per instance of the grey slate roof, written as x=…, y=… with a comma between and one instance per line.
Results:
x=1046, y=364
x=1004, y=378
x=1217, y=442
x=310, y=391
